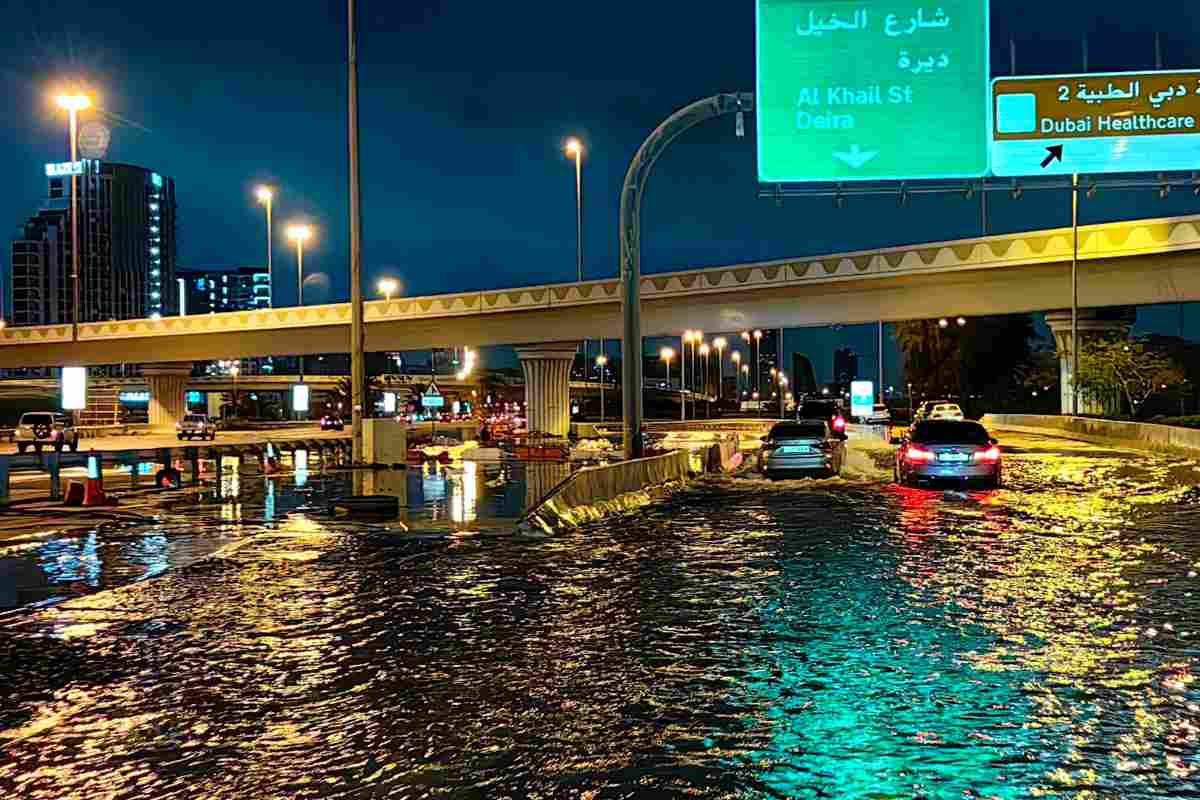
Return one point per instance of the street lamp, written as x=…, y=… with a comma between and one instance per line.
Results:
x=73, y=104
x=300, y=234
x=962, y=321
x=758, y=361
x=783, y=382
x=574, y=149
x=720, y=343
x=689, y=336
x=666, y=354
x=388, y=287
x=704, y=351
x=265, y=196
x=601, y=360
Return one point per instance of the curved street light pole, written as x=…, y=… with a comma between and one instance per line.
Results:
x=631, y=246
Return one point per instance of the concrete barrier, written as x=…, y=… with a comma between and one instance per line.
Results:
x=1140, y=435
x=594, y=492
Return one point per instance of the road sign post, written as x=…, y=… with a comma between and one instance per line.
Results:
x=1095, y=124
x=872, y=91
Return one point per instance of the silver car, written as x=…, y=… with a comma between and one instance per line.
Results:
x=804, y=447
x=195, y=426
x=38, y=429
x=948, y=450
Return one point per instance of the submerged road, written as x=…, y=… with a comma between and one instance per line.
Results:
x=841, y=638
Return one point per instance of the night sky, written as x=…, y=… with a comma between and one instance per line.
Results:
x=464, y=110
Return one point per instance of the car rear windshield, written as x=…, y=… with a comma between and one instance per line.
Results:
x=819, y=410
x=36, y=419
x=195, y=418
x=799, y=430
x=949, y=432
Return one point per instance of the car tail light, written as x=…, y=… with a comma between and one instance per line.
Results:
x=916, y=454
x=990, y=456
x=839, y=423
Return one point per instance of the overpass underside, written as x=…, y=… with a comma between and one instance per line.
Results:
x=1141, y=262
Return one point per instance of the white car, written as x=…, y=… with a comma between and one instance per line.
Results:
x=39, y=429
x=946, y=411
x=879, y=415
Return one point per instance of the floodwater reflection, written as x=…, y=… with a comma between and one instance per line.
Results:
x=739, y=640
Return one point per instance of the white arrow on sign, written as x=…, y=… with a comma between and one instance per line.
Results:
x=856, y=157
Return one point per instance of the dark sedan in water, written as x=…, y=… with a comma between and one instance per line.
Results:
x=804, y=447
x=948, y=450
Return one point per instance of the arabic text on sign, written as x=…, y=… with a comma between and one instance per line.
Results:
x=893, y=24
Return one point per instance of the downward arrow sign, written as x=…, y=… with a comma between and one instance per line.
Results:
x=856, y=157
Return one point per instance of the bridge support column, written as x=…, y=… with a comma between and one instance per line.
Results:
x=547, y=369
x=1090, y=322
x=167, y=384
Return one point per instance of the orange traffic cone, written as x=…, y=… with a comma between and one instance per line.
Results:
x=93, y=488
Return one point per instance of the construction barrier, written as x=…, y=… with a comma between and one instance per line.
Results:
x=93, y=490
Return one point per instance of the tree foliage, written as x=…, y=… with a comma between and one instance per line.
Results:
x=984, y=357
x=1129, y=368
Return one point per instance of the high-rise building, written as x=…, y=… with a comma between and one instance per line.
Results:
x=127, y=247
x=214, y=291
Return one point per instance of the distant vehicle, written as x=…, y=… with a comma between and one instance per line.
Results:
x=946, y=411
x=955, y=450
x=923, y=410
x=879, y=415
x=195, y=426
x=830, y=411
x=330, y=422
x=40, y=429
x=808, y=446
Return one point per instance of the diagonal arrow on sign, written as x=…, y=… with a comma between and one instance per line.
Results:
x=856, y=157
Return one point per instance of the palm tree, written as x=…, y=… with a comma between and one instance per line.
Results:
x=932, y=357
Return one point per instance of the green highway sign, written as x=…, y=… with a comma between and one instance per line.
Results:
x=871, y=90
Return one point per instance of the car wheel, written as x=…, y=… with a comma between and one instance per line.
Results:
x=75, y=445
x=21, y=447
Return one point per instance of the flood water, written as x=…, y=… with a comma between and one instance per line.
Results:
x=843, y=638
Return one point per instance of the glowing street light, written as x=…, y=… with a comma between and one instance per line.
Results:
x=574, y=149
x=666, y=354
x=300, y=234
x=720, y=343
x=758, y=360
x=736, y=358
x=265, y=196
x=388, y=287
x=73, y=104
x=601, y=361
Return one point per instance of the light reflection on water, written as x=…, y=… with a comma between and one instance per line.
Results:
x=809, y=639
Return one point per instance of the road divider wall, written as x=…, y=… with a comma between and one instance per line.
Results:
x=1141, y=435
x=595, y=492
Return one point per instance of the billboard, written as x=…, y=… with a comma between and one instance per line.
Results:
x=852, y=91
x=862, y=398
x=74, y=388
x=300, y=397
x=1092, y=124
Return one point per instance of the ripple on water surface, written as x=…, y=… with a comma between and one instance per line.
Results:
x=806, y=639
